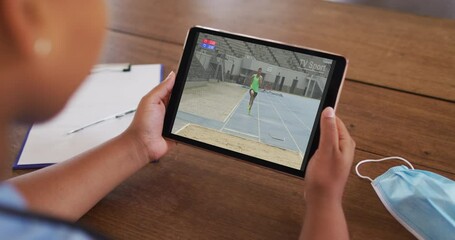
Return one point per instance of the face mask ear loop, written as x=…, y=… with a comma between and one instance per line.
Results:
x=357, y=169
x=378, y=160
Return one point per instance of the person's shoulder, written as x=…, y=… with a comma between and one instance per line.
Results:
x=17, y=223
x=10, y=197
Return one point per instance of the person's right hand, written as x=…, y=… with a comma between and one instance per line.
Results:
x=328, y=169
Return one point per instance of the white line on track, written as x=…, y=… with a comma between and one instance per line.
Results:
x=247, y=134
x=226, y=120
x=184, y=126
x=287, y=129
x=259, y=128
x=308, y=128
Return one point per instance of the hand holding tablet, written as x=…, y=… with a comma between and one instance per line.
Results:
x=252, y=99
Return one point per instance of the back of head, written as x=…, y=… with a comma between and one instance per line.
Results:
x=47, y=48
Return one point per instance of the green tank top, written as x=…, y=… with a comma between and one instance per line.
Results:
x=255, y=83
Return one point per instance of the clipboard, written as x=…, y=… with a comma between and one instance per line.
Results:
x=107, y=91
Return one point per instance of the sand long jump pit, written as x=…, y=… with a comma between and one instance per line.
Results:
x=212, y=101
x=246, y=146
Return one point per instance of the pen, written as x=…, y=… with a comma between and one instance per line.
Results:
x=116, y=116
x=125, y=113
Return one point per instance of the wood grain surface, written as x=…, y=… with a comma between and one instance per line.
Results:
x=386, y=48
x=398, y=100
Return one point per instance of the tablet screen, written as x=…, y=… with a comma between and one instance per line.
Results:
x=250, y=98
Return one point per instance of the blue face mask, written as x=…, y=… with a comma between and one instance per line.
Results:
x=422, y=201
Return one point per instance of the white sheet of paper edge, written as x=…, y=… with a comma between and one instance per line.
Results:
x=101, y=95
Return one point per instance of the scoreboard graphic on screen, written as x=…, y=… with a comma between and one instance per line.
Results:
x=208, y=44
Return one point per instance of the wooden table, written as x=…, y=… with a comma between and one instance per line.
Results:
x=398, y=100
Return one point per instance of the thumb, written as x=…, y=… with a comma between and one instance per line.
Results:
x=160, y=92
x=329, y=133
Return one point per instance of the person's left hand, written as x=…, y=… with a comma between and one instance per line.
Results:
x=147, y=125
x=328, y=169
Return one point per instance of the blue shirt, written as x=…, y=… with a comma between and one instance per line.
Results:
x=27, y=226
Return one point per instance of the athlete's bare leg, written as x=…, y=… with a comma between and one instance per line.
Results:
x=252, y=97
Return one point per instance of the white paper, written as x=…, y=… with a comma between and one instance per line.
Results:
x=102, y=94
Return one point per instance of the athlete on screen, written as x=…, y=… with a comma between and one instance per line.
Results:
x=256, y=82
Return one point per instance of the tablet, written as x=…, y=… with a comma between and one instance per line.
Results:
x=252, y=99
